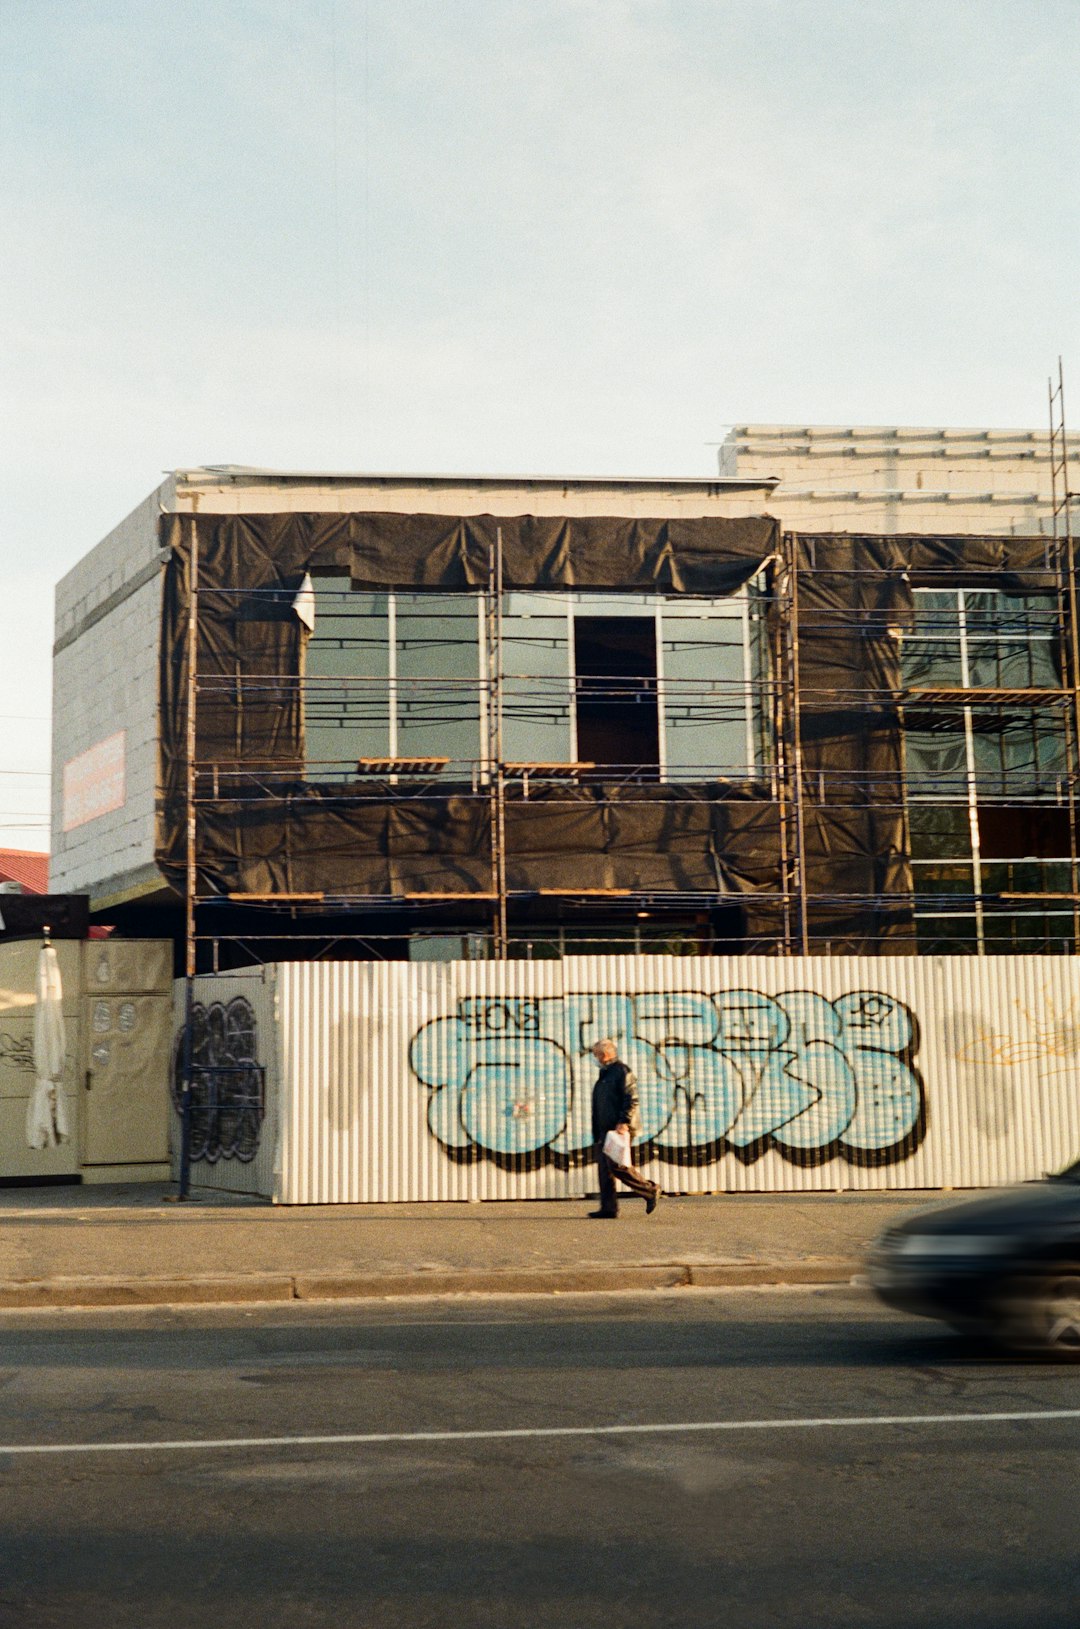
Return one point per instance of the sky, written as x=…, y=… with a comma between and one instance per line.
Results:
x=518, y=236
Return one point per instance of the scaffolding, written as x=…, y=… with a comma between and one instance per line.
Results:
x=942, y=702
x=955, y=680
x=958, y=627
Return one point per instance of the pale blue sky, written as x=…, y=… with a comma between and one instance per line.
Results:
x=516, y=235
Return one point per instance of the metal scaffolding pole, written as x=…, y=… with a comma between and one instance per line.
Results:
x=777, y=666
x=191, y=869
x=790, y=778
x=783, y=680
x=1065, y=563
x=496, y=772
x=796, y=745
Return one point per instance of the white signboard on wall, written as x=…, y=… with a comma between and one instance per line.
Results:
x=94, y=782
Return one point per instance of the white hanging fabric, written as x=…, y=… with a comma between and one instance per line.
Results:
x=46, y=1111
x=304, y=603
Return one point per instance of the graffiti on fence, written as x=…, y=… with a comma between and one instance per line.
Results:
x=227, y=1082
x=17, y=1051
x=509, y=1079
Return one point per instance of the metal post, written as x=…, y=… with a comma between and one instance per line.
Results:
x=796, y=752
x=191, y=789
x=780, y=611
x=496, y=778
x=1066, y=567
x=971, y=779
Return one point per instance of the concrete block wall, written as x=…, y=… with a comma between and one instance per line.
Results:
x=863, y=478
x=108, y=615
x=255, y=492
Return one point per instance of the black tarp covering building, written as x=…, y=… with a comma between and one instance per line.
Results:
x=831, y=816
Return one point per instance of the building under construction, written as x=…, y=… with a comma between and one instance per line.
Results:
x=434, y=781
x=462, y=719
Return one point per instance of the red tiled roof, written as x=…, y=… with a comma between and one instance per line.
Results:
x=23, y=866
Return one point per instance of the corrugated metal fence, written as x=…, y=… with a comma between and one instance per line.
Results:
x=398, y=1081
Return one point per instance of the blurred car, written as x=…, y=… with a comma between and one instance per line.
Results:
x=1007, y=1266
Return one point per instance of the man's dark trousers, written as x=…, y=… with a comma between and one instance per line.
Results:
x=608, y=1171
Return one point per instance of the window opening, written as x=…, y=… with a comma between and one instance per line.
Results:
x=618, y=720
x=348, y=665
x=437, y=680
x=986, y=778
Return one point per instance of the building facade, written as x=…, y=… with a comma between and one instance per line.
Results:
x=441, y=718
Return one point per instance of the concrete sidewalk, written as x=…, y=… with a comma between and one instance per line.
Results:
x=99, y=1246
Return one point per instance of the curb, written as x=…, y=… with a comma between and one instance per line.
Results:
x=348, y=1286
x=144, y=1292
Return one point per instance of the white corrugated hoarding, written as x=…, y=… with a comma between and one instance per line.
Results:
x=396, y=1081
x=238, y=1096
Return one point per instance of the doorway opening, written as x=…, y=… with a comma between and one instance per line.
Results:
x=618, y=721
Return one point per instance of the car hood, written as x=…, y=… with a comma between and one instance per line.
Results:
x=1014, y=1210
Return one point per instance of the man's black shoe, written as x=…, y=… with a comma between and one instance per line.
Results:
x=603, y=1215
x=652, y=1201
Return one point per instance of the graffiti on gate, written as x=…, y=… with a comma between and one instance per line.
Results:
x=227, y=1081
x=509, y=1079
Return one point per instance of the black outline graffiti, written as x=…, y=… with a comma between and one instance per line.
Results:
x=17, y=1052
x=228, y=1085
x=694, y=1155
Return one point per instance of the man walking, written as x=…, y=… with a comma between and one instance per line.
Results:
x=615, y=1108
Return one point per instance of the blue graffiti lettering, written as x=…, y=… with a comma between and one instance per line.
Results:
x=737, y=1072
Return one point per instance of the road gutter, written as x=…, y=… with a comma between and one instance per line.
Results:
x=347, y=1285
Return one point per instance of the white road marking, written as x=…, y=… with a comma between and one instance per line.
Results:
x=367, y=1439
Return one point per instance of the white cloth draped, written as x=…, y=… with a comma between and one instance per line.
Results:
x=46, y=1111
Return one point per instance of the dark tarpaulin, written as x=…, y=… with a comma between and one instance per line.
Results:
x=709, y=555
x=855, y=605
x=1020, y=565
x=273, y=833
x=25, y=916
x=250, y=567
x=250, y=713
x=306, y=839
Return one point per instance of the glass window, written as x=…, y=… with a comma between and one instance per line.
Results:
x=1007, y=761
x=955, y=878
x=437, y=685
x=449, y=947
x=1012, y=640
x=346, y=698
x=1017, y=753
x=706, y=689
x=536, y=679
x=939, y=832
x=930, y=655
x=947, y=935
x=1030, y=934
x=402, y=675
x=704, y=674
x=936, y=759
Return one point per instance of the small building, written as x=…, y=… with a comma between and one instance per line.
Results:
x=117, y=1000
x=23, y=871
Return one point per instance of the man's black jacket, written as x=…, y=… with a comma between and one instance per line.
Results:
x=614, y=1099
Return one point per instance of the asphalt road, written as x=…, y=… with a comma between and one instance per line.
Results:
x=784, y=1520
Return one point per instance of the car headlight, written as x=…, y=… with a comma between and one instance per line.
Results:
x=946, y=1244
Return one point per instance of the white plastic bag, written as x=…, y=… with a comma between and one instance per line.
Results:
x=617, y=1148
